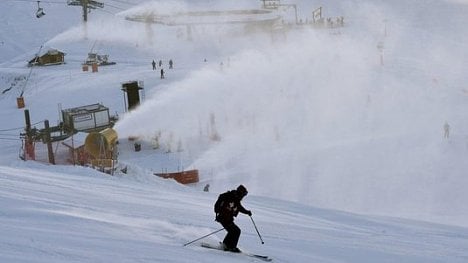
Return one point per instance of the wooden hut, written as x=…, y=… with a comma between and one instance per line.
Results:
x=49, y=57
x=184, y=177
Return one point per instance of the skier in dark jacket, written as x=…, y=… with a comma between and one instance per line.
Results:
x=226, y=208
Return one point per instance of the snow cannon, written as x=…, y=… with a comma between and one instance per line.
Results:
x=101, y=145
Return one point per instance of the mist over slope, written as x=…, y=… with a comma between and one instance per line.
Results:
x=314, y=117
x=308, y=115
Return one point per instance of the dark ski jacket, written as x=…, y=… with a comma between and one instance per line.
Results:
x=228, y=206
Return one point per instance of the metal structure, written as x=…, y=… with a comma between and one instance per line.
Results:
x=40, y=10
x=102, y=148
x=131, y=91
x=271, y=4
x=94, y=117
x=101, y=60
x=249, y=16
x=86, y=4
x=275, y=4
x=317, y=14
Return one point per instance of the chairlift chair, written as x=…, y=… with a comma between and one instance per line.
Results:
x=40, y=10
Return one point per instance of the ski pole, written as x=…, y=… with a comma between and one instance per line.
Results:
x=203, y=236
x=257, y=230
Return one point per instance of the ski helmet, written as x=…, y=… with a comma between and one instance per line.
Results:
x=242, y=190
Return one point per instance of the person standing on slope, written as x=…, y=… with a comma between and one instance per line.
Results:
x=226, y=208
x=446, y=130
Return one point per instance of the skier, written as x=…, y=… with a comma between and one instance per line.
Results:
x=160, y=63
x=446, y=130
x=162, y=73
x=226, y=208
x=154, y=65
x=171, y=63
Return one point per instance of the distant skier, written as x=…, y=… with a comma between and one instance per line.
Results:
x=154, y=65
x=226, y=208
x=160, y=63
x=171, y=63
x=162, y=73
x=446, y=130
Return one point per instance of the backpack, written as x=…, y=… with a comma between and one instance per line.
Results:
x=218, y=206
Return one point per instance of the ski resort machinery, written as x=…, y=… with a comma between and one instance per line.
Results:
x=94, y=117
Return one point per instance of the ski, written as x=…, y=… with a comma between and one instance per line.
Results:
x=220, y=247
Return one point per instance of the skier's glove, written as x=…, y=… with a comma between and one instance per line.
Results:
x=249, y=213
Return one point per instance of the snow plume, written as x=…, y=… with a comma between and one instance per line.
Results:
x=110, y=30
x=314, y=117
x=115, y=29
x=148, y=36
x=266, y=87
x=273, y=105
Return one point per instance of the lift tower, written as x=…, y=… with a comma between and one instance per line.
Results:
x=86, y=4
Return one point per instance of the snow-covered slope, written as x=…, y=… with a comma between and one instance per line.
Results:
x=307, y=118
x=78, y=215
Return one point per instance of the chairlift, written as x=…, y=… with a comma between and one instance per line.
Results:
x=40, y=10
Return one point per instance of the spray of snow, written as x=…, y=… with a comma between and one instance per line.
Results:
x=315, y=118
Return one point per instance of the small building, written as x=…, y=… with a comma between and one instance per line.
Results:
x=184, y=177
x=49, y=57
x=94, y=117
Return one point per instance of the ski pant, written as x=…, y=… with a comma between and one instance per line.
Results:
x=233, y=234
